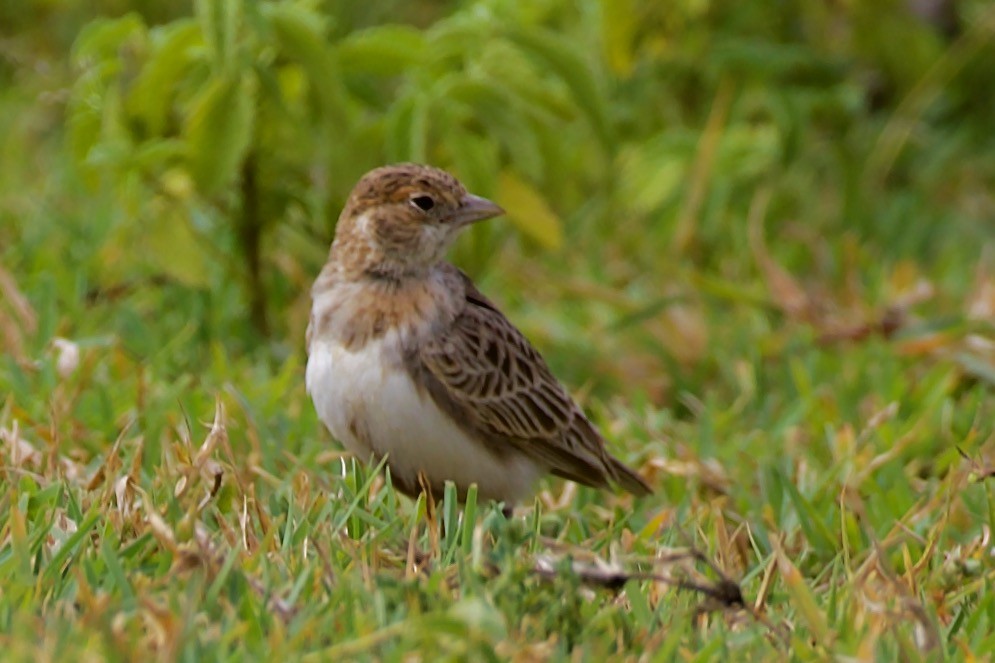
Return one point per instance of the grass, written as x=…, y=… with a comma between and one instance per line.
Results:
x=807, y=384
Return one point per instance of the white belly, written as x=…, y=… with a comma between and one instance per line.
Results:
x=373, y=407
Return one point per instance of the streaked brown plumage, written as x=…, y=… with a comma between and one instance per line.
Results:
x=407, y=359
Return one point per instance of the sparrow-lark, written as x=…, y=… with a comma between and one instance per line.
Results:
x=408, y=360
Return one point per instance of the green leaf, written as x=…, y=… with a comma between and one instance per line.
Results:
x=562, y=57
x=811, y=521
x=71, y=546
x=749, y=150
x=398, y=129
x=654, y=170
x=476, y=158
x=619, y=27
x=102, y=39
x=94, y=114
x=219, y=22
x=420, y=119
x=543, y=97
x=384, y=50
x=157, y=154
x=218, y=130
x=162, y=242
x=489, y=104
x=300, y=34
x=100, y=139
x=84, y=119
x=469, y=519
x=458, y=36
x=802, y=598
x=175, y=50
x=528, y=211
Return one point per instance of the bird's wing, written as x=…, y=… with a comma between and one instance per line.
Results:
x=490, y=379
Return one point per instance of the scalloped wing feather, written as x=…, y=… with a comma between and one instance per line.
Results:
x=488, y=377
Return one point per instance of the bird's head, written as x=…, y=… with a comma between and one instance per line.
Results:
x=401, y=219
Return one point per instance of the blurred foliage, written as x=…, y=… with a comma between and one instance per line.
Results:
x=225, y=139
x=213, y=144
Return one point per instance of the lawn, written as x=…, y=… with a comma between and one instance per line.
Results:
x=757, y=244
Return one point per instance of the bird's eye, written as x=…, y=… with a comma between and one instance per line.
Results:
x=424, y=203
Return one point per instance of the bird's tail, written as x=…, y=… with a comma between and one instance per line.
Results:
x=628, y=479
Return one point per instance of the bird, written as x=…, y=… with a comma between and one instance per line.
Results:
x=410, y=364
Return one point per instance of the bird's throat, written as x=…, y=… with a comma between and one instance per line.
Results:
x=355, y=311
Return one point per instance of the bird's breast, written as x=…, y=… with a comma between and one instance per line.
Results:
x=372, y=405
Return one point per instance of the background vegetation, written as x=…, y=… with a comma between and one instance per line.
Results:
x=752, y=237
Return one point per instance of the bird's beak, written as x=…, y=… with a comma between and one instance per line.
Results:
x=474, y=208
